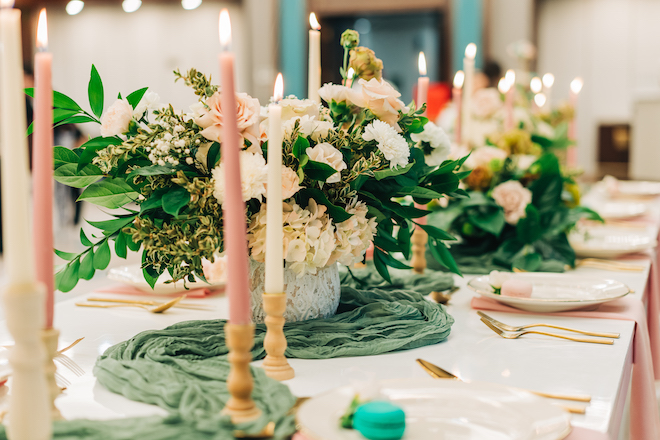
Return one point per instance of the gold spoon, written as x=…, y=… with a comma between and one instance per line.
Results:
x=158, y=309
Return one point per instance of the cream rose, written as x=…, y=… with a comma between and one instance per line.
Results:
x=247, y=115
x=381, y=98
x=290, y=182
x=486, y=102
x=496, y=278
x=336, y=92
x=513, y=198
x=308, y=126
x=115, y=120
x=327, y=154
x=294, y=107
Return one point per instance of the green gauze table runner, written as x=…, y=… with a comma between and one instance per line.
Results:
x=183, y=368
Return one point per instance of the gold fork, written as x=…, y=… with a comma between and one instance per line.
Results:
x=597, y=263
x=151, y=303
x=516, y=335
x=158, y=309
x=510, y=328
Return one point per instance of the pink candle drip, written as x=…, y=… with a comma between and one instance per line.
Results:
x=235, y=229
x=457, y=93
x=42, y=172
x=422, y=92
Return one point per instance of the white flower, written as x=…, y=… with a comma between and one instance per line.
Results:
x=353, y=236
x=393, y=146
x=308, y=126
x=150, y=101
x=483, y=156
x=115, y=120
x=524, y=161
x=293, y=107
x=437, y=139
x=297, y=251
x=254, y=175
x=513, y=198
x=329, y=155
x=217, y=271
x=496, y=278
x=336, y=92
x=486, y=102
x=290, y=183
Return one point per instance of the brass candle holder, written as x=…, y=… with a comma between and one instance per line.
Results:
x=240, y=406
x=418, y=260
x=50, y=338
x=275, y=364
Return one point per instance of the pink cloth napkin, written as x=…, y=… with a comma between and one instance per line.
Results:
x=645, y=420
x=130, y=290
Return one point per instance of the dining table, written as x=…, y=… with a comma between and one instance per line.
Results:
x=472, y=352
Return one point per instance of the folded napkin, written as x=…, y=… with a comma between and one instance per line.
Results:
x=645, y=423
x=123, y=289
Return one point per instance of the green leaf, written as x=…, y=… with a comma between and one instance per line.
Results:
x=120, y=245
x=109, y=193
x=135, y=97
x=318, y=171
x=149, y=273
x=133, y=246
x=95, y=92
x=69, y=278
x=546, y=192
x=491, y=221
x=528, y=229
x=300, y=147
x=442, y=256
x=92, y=146
x=391, y=261
x=81, y=119
x=109, y=227
x=63, y=155
x=60, y=100
x=529, y=262
x=84, y=240
x=543, y=141
x=417, y=191
x=381, y=267
x=153, y=170
x=403, y=237
x=337, y=213
x=69, y=175
x=68, y=256
x=437, y=233
x=383, y=174
x=102, y=256
x=213, y=156
x=175, y=199
x=86, y=271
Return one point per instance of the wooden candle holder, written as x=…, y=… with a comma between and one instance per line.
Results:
x=50, y=338
x=29, y=413
x=240, y=406
x=275, y=364
x=418, y=260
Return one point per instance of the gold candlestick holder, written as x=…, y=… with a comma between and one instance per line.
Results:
x=50, y=338
x=418, y=260
x=275, y=365
x=240, y=406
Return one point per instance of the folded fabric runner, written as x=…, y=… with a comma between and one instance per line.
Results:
x=183, y=368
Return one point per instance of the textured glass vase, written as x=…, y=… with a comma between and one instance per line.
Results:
x=308, y=297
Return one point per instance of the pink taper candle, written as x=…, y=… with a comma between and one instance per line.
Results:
x=571, y=154
x=235, y=229
x=422, y=95
x=457, y=95
x=422, y=82
x=510, y=79
x=42, y=167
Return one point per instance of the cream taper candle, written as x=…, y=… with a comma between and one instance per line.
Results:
x=422, y=82
x=274, y=282
x=314, y=66
x=457, y=95
x=468, y=88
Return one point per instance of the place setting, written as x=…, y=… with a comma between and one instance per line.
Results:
x=306, y=221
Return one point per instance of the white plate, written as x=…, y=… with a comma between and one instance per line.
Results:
x=132, y=275
x=555, y=292
x=636, y=189
x=620, y=210
x=610, y=242
x=444, y=409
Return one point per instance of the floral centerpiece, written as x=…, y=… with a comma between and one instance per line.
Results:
x=348, y=168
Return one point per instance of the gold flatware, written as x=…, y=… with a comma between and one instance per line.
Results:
x=69, y=347
x=158, y=309
x=597, y=263
x=516, y=335
x=439, y=373
x=510, y=328
x=180, y=305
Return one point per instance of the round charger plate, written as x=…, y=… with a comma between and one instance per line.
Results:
x=610, y=242
x=132, y=275
x=620, y=210
x=447, y=409
x=636, y=189
x=555, y=292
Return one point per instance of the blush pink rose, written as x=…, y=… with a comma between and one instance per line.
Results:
x=381, y=98
x=116, y=118
x=290, y=182
x=513, y=198
x=247, y=114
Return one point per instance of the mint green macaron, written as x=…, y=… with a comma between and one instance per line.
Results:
x=380, y=421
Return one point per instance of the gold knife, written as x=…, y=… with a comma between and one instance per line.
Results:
x=439, y=373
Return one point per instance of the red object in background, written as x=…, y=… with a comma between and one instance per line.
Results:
x=439, y=95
